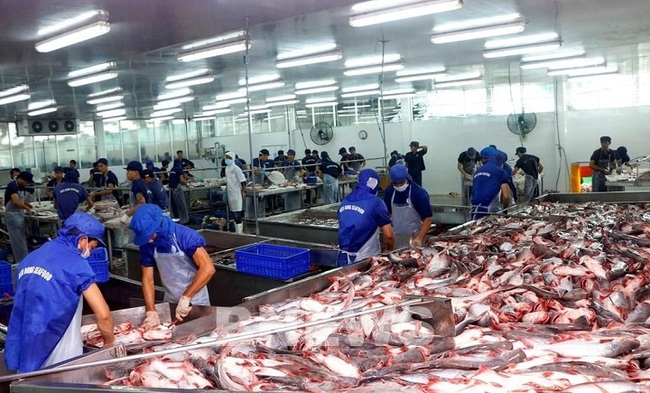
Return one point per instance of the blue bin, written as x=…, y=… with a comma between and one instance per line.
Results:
x=98, y=261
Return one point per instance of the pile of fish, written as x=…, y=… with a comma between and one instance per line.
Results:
x=561, y=304
x=323, y=222
x=130, y=336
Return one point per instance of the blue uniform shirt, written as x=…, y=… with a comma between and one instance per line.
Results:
x=487, y=183
x=331, y=168
x=188, y=240
x=158, y=194
x=419, y=199
x=50, y=282
x=68, y=196
x=110, y=178
x=359, y=219
x=139, y=187
x=175, y=175
x=12, y=188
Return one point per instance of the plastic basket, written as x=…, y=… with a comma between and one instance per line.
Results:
x=98, y=261
x=272, y=261
x=6, y=279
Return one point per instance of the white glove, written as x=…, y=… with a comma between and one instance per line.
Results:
x=151, y=321
x=125, y=219
x=184, y=307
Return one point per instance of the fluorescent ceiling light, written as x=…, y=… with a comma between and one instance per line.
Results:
x=472, y=23
x=255, y=112
x=467, y=82
x=283, y=103
x=316, y=90
x=372, y=60
x=521, y=40
x=374, y=69
x=573, y=62
x=173, y=102
x=165, y=112
x=258, y=107
x=209, y=114
x=228, y=96
x=565, y=53
x=403, y=77
x=312, y=84
x=40, y=104
x=92, y=70
x=315, y=100
x=225, y=103
x=42, y=111
x=321, y=104
x=170, y=105
x=323, y=57
x=189, y=82
x=284, y=97
x=479, y=32
x=595, y=71
x=371, y=86
x=397, y=92
x=361, y=93
x=83, y=33
x=403, y=11
x=521, y=50
x=106, y=92
x=108, y=107
x=396, y=96
x=92, y=79
x=14, y=90
x=259, y=79
x=112, y=113
x=118, y=118
x=186, y=91
x=306, y=51
x=458, y=77
x=187, y=75
x=69, y=23
x=263, y=86
x=240, y=34
x=581, y=71
x=14, y=98
x=213, y=49
x=102, y=100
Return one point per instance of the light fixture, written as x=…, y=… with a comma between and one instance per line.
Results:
x=98, y=27
x=583, y=71
x=470, y=78
x=372, y=60
x=165, y=112
x=412, y=76
x=315, y=100
x=316, y=90
x=516, y=26
x=466, y=82
x=102, y=100
x=209, y=114
x=14, y=98
x=185, y=91
x=225, y=103
x=229, y=96
x=172, y=103
x=256, y=112
x=284, y=97
x=397, y=92
x=217, y=46
x=361, y=93
x=190, y=82
x=253, y=80
x=14, y=90
x=92, y=70
x=399, y=12
x=86, y=80
x=322, y=54
x=107, y=107
x=263, y=86
x=40, y=105
x=594, y=71
x=375, y=69
x=572, y=62
x=565, y=53
x=371, y=86
x=522, y=50
x=397, y=96
x=312, y=84
x=42, y=111
x=114, y=90
x=258, y=107
x=321, y=104
x=112, y=113
x=283, y=103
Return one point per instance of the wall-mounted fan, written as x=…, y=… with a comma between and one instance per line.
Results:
x=321, y=133
x=521, y=123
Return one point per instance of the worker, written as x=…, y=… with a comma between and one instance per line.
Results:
x=179, y=255
x=157, y=190
x=345, y=157
x=107, y=182
x=69, y=195
x=623, y=159
x=236, y=190
x=95, y=176
x=360, y=214
x=395, y=158
x=602, y=163
x=356, y=160
x=280, y=159
x=180, y=159
x=292, y=166
x=415, y=161
x=58, y=179
x=72, y=167
x=261, y=165
x=164, y=175
x=330, y=172
x=14, y=172
x=409, y=208
x=532, y=167
x=150, y=166
x=44, y=327
x=140, y=193
x=177, y=180
x=15, y=208
x=309, y=164
x=490, y=192
x=467, y=163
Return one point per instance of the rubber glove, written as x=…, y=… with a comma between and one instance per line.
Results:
x=125, y=219
x=151, y=321
x=416, y=242
x=184, y=307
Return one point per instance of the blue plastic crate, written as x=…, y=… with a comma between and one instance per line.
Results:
x=98, y=261
x=272, y=261
x=6, y=279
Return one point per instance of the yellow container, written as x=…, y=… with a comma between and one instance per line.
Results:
x=579, y=171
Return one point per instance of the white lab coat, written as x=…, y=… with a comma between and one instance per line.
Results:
x=234, y=178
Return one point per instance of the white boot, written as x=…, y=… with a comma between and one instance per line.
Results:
x=239, y=228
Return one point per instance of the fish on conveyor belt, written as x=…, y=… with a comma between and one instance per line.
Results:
x=128, y=335
x=323, y=222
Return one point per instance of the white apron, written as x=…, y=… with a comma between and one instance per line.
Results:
x=330, y=189
x=369, y=249
x=406, y=220
x=177, y=271
x=70, y=345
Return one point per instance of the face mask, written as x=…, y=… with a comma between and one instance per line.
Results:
x=84, y=254
x=402, y=187
x=229, y=162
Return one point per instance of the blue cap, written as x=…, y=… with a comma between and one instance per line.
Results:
x=71, y=177
x=488, y=152
x=370, y=179
x=291, y=152
x=500, y=157
x=398, y=173
x=149, y=163
x=58, y=169
x=134, y=166
x=145, y=222
x=165, y=162
x=87, y=225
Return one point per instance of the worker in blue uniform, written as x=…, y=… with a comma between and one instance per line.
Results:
x=69, y=195
x=44, y=327
x=177, y=179
x=409, y=207
x=140, y=193
x=179, y=255
x=490, y=192
x=158, y=193
x=360, y=215
x=330, y=172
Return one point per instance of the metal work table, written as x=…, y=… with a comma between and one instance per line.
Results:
x=292, y=197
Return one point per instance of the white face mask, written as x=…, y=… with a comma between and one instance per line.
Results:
x=402, y=187
x=84, y=254
x=229, y=162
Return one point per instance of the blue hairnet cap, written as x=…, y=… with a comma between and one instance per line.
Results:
x=71, y=177
x=145, y=222
x=500, y=157
x=488, y=152
x=398, y=173
x=87, y=225
x=369, y=178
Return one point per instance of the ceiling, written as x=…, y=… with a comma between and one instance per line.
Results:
x=146, y=35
